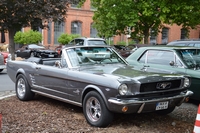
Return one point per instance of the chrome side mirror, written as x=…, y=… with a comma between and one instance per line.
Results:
x=171, y=63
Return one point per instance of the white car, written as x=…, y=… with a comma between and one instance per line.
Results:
x=87, y=41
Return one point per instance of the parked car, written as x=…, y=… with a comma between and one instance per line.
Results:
x=3, y=60
x=125, y=51
x=174, y=59
x=85, y=41
x=98, y=79
x=82, y=41
x=189, y=42
x=34, y=50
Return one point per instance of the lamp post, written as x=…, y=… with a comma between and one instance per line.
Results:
x=128, y=35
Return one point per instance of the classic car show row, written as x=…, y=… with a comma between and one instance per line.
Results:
x=102, y=82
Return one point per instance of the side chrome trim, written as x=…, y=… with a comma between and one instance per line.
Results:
x=45, y=88
x=58, y=98
x=135, y=101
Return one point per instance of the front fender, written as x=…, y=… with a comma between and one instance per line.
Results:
x=89, y=88
x=20, y=71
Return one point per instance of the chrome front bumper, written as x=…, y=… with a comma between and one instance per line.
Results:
x=137, y=105
x=134, y=101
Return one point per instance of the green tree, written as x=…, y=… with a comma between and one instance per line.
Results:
x=114, y=18
x=66, y=38
x=16, y=14
x=28, y=37
x=19, y=37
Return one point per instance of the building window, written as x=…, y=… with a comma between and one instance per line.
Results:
x=152, y=37
x=58, y=30
x=49, y=33
x=183, y=33
x=165, y=33
x=76, y=27
x=74, y=4
x=93, y=31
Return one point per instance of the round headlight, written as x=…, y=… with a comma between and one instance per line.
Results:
x=123, y=89
x=186, y=82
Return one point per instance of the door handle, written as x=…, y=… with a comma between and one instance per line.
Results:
x=146, y=66
x=37, y=67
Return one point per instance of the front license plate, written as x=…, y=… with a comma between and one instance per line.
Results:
x=162, y=105
x=51, y=55
x=99, y=55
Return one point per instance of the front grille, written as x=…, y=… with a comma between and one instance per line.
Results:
x=1, y=60
x=148, y=87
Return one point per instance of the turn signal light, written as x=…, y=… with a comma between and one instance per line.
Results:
x=187, y=99
x=124, y=109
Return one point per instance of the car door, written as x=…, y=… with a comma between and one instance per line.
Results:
x=62, y=82
x=51, y=80
x=161, y=60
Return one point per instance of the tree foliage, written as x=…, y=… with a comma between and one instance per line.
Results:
x=28, y=37
x=16, y=14
x=114, y=18
x=66, y=38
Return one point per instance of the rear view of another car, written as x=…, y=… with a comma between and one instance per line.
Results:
x=87, y=41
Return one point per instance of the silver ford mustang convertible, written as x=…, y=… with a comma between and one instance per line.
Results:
x=99, y=80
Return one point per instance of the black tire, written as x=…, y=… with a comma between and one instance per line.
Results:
x=95, y=110
x=1, y=70
x=23, y=89
x=165, y=111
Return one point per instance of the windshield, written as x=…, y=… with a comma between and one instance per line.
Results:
x=191, y=57
x=81, y=56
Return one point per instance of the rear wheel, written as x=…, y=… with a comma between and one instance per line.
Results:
x=95, y=110
x=23, y=89
x=1, y=70
x=165, y=111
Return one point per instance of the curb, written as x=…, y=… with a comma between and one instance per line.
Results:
x=6, y=94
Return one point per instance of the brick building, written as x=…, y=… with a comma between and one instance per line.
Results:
x=79, y=21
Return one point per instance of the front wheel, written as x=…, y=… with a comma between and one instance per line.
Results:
x=1, y=70
x=95, y=110
x=23, y=89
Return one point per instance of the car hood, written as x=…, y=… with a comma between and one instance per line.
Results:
x=128, y=73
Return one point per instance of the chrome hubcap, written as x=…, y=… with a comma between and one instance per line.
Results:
x=21, y=87
x=93, y=109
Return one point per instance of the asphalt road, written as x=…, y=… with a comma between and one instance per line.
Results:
x=6, y=84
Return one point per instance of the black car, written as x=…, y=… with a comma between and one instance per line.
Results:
x=34, y=50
